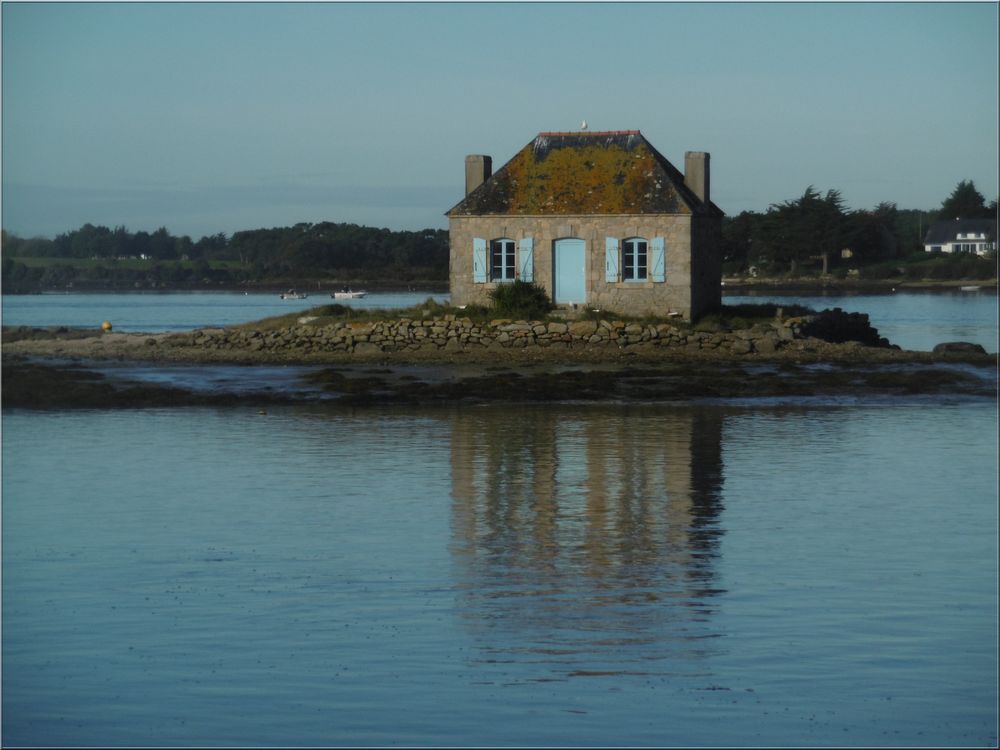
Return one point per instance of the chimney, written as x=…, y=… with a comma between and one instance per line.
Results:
x=478, y=169
x=696, y=174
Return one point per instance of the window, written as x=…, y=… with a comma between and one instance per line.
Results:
x=501, y=260
x=634, y=259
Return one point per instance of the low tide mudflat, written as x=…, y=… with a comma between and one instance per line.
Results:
x=95, y=384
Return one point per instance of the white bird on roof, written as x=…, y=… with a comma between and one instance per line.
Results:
x=583, y=125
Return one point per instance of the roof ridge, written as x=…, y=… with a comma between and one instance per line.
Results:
x=588, y=132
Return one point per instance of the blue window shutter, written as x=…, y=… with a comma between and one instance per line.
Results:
x=527, y=260
x=479, y=265
x=658, y=267
x=611, y=259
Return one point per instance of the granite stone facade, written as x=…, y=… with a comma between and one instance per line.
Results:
x=605, y=188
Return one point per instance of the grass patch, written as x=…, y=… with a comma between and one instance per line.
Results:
x=748, y=315
x=336, y=313
x=923, y=266
x=728, y=317
x=11, y=334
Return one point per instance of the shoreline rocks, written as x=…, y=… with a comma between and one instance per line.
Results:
x=832, y=335
x=453, y=359
x=451, y=333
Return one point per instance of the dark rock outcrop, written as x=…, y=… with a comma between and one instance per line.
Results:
x=837, y=327
x=965, y=347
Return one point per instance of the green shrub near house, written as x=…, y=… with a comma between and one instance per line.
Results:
x=522, y=300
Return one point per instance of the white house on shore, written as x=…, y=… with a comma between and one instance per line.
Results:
x=977, y=236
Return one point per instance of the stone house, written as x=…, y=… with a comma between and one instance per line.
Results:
x=977, y=236
x=600, y=220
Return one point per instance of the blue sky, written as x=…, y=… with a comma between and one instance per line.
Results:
x=216, y=117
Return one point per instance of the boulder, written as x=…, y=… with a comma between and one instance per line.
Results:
x=837, y=327
x=766, y=345
x=965, y=347
x=582, y=328
x=741, y=346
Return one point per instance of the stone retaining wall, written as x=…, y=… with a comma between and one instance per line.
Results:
x=453, y=333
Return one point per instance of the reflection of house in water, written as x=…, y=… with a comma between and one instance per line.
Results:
x=597, y=526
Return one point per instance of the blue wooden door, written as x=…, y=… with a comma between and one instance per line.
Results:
x=569, y=259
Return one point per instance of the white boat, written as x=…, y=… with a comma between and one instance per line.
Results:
x=969, y=288
x=348, y=294
x=292, y=294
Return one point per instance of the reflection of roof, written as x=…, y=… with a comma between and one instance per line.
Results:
x=616, y=172
x=941, y=232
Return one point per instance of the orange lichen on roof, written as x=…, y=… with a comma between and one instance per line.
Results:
x=614, y=172
x=589, y=179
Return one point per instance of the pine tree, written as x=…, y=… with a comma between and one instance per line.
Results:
x=965, y=202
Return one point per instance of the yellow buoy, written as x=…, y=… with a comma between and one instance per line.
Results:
x=106, y=325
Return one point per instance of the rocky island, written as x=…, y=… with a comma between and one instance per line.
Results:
x=433, y=354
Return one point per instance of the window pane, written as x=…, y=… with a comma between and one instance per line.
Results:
x=502, y=259
x=628, y=260
x=496, y=260
x=634, y=260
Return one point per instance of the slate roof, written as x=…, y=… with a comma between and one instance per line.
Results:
x=941, y=232
x=614, y=172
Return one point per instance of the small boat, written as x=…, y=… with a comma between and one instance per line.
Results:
x=969, y=288
x=348, y=294
x=292, y=294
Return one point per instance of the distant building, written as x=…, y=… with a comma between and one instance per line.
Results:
x=600, y=220
x=977, y=236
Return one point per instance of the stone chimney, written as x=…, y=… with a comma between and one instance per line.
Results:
x=696, y=175
x=478, y=169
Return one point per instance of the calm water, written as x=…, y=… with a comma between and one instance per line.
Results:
x=156, y=312
x=562, y=575
x=914, y=320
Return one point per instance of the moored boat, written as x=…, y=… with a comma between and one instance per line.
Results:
x=292, y=294
x=348, y=294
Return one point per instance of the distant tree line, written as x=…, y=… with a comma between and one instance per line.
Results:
x=342, y=249
x=816, y=229
x=304, y=253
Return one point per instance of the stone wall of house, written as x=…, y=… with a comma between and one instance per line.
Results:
x=690, y=272
x=451, y=333
x=706, y=265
